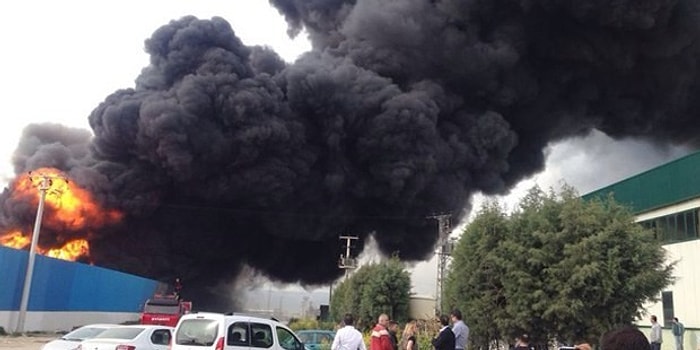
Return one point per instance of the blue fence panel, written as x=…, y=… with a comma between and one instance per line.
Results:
x=13, y=264
x=59, y=285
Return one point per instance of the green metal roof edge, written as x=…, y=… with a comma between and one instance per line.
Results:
x=604, y=191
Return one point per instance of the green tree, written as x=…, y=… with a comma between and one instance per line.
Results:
x=387, y=291
x=373, y=289
x=558, y=268
x=476, y=272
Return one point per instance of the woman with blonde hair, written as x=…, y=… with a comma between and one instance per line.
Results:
x=408, y=336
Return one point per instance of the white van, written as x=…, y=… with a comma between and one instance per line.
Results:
x=213, y=331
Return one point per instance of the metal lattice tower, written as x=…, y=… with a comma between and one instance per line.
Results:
x=444, y=251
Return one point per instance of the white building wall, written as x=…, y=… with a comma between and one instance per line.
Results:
x=686, y=289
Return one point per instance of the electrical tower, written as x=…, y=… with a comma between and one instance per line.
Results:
x=444, y=251
x=347, y=262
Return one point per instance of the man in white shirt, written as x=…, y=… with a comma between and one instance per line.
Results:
x=348, y=338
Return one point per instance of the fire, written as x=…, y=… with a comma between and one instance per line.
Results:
x=72, y=250
x=68, y=209
x=15, y=239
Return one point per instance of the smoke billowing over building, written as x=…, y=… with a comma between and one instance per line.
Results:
x=225, y=155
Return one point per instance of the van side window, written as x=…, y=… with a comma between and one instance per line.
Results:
x=262, y=335
x=287, y=340
x=238, y=334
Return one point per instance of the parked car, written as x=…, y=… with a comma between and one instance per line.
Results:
x=72, y=339
x=316, y=339
x=131, y=337
x=212, y=331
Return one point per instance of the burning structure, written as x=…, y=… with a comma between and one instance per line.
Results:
x=224, y=155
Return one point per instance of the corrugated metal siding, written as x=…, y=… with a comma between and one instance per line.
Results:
x=670, y=183
x=60, y=285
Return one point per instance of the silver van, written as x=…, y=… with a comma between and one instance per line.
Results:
x=213, y=331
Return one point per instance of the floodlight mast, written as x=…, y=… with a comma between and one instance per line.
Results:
x=43, y=187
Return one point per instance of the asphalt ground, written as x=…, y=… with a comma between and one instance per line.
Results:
x=33, y=342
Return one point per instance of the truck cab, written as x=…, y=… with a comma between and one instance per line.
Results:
x=164, y=310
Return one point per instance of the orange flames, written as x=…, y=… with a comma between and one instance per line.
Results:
x=68, y=208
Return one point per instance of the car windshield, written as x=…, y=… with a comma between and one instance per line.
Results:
x=121, y=333
x=82, y=333
x=306, y=337
x=161, y=309
x=197, y=332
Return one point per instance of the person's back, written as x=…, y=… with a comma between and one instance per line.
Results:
x=460, y=329
x=625, y=338
x=348, y=338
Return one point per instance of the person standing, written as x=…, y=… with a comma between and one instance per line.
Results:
x=678, y=330
x=655, y=339
x=348, y=338
x=380, y=339
x=393, y=330
x=445, y=340
x=408, y=336
x=460, y=329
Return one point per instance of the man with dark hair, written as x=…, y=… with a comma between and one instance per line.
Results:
x=678, y=329
x=460, y=329
x=446, y=338
x=348, y=338
x=393, y=328
x=655, y=335
x=625, y=338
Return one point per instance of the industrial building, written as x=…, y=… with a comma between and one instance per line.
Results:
x=67, y=294
x=666, y=199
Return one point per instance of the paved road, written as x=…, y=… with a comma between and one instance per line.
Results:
x=24, y=343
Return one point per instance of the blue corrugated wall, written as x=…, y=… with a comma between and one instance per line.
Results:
x=60, y=285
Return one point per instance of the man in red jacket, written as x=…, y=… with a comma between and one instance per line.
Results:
x=380, y=335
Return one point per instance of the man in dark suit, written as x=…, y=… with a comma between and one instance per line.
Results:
x=446, y=338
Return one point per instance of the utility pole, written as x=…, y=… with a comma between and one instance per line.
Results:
x=444, y=251
x=347, y=262
x=43, y=187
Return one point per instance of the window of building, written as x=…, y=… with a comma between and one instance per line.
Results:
x=667, y=305
x=676, y=227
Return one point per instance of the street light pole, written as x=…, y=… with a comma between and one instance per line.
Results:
x=44, y=186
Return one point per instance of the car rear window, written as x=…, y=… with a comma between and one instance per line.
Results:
x=84, y=333
x=197, y=332
x=120, y=333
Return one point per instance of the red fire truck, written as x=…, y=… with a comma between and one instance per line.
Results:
x=164, y=310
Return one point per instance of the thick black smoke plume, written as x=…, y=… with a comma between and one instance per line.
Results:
x=224, y=155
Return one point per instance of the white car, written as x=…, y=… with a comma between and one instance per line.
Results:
x=132, y=337
x=72, y=339
x=211, y=331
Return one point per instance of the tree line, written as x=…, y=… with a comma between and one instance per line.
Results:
x=558, y=267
